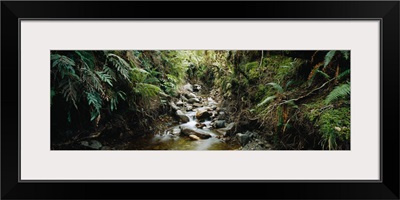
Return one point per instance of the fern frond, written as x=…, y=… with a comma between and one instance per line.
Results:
x=147, y=90
x=276, y=86
x=65, y=65
x=110, y=72
x=266, y=100
x=343, y=74
x=122, y=66
x=346, y=54
x=69, y=88
x=87, y=58
x=328, y=58
x=289, y=83
x=92, y=79
x=104, y=77
x=325, y=75
x=339, y=91
x=94, y=100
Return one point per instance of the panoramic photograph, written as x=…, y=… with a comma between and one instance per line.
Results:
x=243, y=100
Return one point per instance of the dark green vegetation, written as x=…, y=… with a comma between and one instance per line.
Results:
x=295, y=100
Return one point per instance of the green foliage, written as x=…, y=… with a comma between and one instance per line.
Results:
x=334, y=125
x=120, y=64
x=94, y=100
x=69, y=88
x=146, y=90
x=339, y=92
x=343, y=74
x=266, y=100
x=276, y=86
x=325, y=75
x=64, y=65
x=328, y=57
x=346, y=54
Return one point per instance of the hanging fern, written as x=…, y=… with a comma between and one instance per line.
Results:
x=64, y=65
x=92, y=80
x=346, y=54
x=94, y=100
x=120, y=64
x=328, y=58
x=69, y=88
x=276, y=86
x=105, y=77
x=115, y=99
x=147, y=90
x=325, y=75
x=343, y=74
x=266, y=100
x=87, y=58
x=339, y=91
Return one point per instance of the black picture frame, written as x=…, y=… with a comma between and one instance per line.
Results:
x=386, y=11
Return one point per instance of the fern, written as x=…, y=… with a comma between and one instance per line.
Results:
x=346, y=54
x=266, y=100
x=343, y=74
x=325, y=75
x=328, y=58
x=92, y=80
x=120, y=64
x=69, y=88
x=87, y=58
x=114, y=99
x=64, y=65
x=94, y=100
x=147, y=90
x=104, y=77
x=276, y=86
x=339, y=91
x=110, y=72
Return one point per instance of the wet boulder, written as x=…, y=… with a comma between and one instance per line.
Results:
x=194, y=100
x=243, y=138
x=186, y=131
x=197, y=105
x=194, y=137
x=190, y=95
x=188, y=87
x=196, y=88
x=200, y=125
x=184, y=118
x=189, y=107
x=202, y=114
x=93, y=144
x=219, y=124
x=176, y=131
x=179, y=103
x=227, y=131
x=173, y=105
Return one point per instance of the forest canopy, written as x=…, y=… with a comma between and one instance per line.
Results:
x=200, y=100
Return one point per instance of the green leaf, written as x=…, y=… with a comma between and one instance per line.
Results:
x=266, y=100
x=346, y=54
x=339, y=91
x=276, y=86
x=325, y=75
x=343, y=74
x=328, y=57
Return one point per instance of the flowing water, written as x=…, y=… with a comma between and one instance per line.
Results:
x=169, y=141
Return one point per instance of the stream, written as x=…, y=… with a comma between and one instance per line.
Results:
x=173, y=139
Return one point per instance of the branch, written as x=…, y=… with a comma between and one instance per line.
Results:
x=308, y=94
